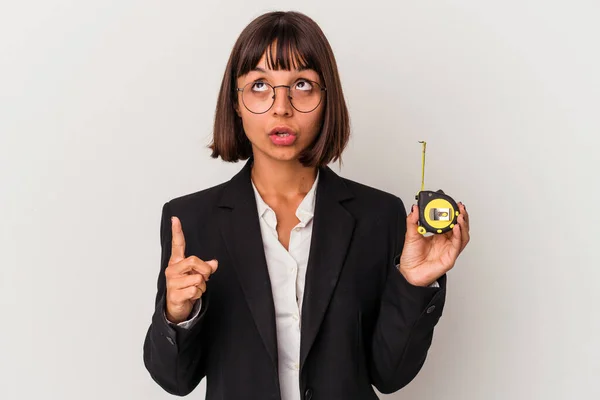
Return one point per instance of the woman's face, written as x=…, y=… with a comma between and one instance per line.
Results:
x=258, y=127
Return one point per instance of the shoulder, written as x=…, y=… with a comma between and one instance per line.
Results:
x=194, y=206
x=205, y=196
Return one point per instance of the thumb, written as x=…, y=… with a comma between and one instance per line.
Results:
x=412, y=222
x=214, y=264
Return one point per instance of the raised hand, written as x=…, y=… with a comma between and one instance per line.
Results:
x=186, y=277
x=426, y=259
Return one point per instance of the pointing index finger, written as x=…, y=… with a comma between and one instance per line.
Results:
x=178, y=241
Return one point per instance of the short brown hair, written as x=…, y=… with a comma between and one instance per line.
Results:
x=299, y=42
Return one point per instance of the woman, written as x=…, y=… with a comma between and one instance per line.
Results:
x=320, y=287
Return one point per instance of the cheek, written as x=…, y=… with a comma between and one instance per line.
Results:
x=316, y=120
x=254, y=125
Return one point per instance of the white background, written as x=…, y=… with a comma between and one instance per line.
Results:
x=105, y=111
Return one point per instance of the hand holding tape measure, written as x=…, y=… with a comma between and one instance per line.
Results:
x=425, y=259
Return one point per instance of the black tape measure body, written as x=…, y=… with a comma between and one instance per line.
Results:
x=438, y=212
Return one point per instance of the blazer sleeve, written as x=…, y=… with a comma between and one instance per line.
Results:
x=193, y=316
x=174, y=355
x=404, y=328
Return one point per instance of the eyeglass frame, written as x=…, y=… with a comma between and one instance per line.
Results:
x=322, y=89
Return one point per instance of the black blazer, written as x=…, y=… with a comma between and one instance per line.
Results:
x=362, y=323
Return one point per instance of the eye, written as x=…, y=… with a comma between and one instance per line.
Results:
x=259, y=86
x=304, y=84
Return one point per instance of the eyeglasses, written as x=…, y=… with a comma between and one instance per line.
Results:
x=305, y=96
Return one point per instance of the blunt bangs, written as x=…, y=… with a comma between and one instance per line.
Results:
x=285, y=49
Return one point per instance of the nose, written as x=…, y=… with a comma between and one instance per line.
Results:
x=282, y=104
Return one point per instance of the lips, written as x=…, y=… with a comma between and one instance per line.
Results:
x=282, y=129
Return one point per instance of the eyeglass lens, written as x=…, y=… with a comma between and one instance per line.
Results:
x=259, y=96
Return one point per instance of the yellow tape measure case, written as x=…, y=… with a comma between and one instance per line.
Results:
x=438, y=212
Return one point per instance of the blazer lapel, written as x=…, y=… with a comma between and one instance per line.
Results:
x=240, y=229
x=333, y=227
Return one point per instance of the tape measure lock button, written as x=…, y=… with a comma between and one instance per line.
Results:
x=440, y=214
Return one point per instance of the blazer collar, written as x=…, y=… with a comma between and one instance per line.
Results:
x=333, y=227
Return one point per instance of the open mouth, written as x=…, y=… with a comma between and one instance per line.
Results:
x=282, y=131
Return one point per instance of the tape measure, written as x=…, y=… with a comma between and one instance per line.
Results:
x=438, y=212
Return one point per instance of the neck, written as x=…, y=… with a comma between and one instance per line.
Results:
x=282, y=179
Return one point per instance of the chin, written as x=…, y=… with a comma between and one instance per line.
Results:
x=280, y=153
x=285, y=154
